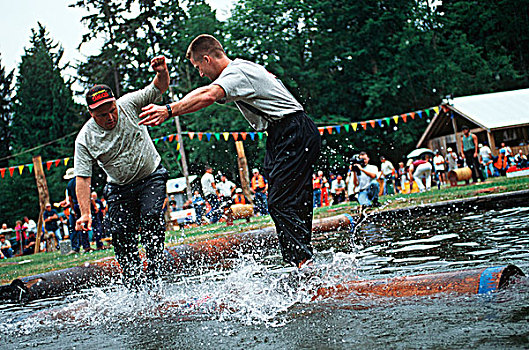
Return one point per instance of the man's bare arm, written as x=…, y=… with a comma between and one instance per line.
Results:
x=195, y=100
x=161, y=80
x=83, y=197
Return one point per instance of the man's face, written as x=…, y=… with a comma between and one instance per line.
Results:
x=206, y=67
x=365, y=158
x=48, y=207
x=106, y=115
x=466, y=132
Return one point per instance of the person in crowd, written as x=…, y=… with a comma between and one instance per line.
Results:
x=338, y=189
x=211, y=194
x=364, y=177
x=420, y=169
x=316, y=190
x=29, y=247
x=451, y=159
x=501, y=164
x=96, y=207
x=199, y=204
x=521, y=160
x=259, y=187
x=439, y=166
x=78, y=238
x=508, y=150
x=31, y=226
x=239, y=198
x=387, y=171
x=51, y=217
x=403, y=176
x=21, y=234
x=226, y=189
x=5, y=248
x=293, y=142
x=485, y=158
x=136, y=180
x=469, y=147
x=351, y=188
x=324, y=200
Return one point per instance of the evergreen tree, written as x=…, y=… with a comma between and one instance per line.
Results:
x=6, y=115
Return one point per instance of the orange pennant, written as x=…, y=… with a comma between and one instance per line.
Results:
x=321, y=130
x=412, y=115
x=3, y=172
x=404, y=117
x=200, y=136
x=372, y=122
x=364, y=125
x=243, y=135
x=171, y=138
x=11, y=169
x=235, y=135
x=191, y=135
x=329, y=130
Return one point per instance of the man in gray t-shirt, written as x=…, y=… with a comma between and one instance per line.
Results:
x=136, y=182
x=293, y=142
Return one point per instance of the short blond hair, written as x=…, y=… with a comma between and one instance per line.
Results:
x=203, y=45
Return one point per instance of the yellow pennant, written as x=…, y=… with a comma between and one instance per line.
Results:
x=66, y=161
x=354, y=125
x=178, y=146
x=226, y=135
x=396, y=119
x=20, y=168
x=436, y=110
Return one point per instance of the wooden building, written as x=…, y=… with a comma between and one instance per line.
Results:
x=493, y=118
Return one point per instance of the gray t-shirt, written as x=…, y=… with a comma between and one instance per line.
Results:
x=126, y=153
x=252, y=87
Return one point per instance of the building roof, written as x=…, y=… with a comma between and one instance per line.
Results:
x=496, y=110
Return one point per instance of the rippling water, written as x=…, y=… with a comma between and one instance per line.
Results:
x=259, y=304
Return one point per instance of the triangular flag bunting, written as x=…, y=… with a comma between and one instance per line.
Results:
x=235, y=135
x=379, y=121
x=164, y=138
x=346, y=127
x=354, y=125
x=178, y=157
x=412, y=115
x=3, y=172
x=199, y=136
x=226, y=135
x=57, y=162
x=20, y=168
x=243, y=135
x=321, y=130
x=30, y=168
x=337, y=127
x=419, y=113
x=260, y=134
x=252, y=136
x=427, y=113
x=396, y=119
x=66, y=160
x=364, y=125
x=388, y=120
x=404, y=117
x=156, y=141
x=11, y=169
x=191, y=135
x=178, y=146
x=329, y=130
x=372, y=122
x=48, y=164
x=217, y=136
x=171, y=138
x=176, y=137
x=208, y=135
x=436, y=110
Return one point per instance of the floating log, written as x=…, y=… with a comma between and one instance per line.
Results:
x=214, y=253
x=475, y=281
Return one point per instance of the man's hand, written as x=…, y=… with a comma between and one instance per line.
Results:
x=84, y=223
x=158, y=64
x=153, y=115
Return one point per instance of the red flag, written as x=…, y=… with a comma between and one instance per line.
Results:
x=372, y=122
x=329, y=129
x=404, y=117
x=321, y=130
x=57, y=162
x=412, y=114
x=235, y=135
x=243, y=135
x=364, y=125
x=3, y=172
x=200, y=136
x=171, y=137
x=48, y=164
x=11, y=169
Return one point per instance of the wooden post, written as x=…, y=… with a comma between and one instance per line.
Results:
x=492, y=143
x=44, y=196
x=183, y=155
x=458, y=139
x=243, y=170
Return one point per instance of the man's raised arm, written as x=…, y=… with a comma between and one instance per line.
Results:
x=83, y=197
x=161, y=80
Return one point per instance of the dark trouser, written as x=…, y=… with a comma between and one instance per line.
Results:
x=292, y=148
x=473, y=164
x=214, y=213
x=97, y=229
x=132, y=209
x=260, y=203
x=78, y=238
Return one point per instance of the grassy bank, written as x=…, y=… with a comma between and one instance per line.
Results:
x=44, y=262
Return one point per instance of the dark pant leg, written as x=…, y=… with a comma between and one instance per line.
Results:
x=292, y=148
x=214, y=214
x=123, y=225
x=151, y=198
x=74, y=234
x=473, y=164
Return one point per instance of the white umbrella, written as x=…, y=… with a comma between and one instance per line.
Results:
x=418, y=152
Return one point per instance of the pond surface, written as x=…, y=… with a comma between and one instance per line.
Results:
x=260, y=305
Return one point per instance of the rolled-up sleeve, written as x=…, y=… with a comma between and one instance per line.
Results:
x=235, y=85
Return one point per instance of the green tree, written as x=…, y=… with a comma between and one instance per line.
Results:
x=6, y=115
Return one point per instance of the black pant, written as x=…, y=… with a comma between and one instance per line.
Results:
x=292, y=147
x=473, y=164
x=133, y=209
